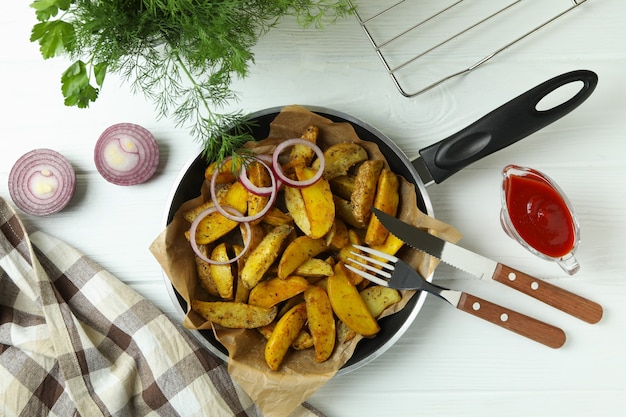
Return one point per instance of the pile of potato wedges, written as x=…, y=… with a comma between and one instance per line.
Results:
x=291, y=284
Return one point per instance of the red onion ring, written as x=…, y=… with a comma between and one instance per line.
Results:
x=262, y=191
x=194, y=244
x=241, y=218
x=281, y=175
x=126, y=154
x=42, y=182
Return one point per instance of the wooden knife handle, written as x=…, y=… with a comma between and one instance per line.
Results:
x=573, y=304
x=521, y=324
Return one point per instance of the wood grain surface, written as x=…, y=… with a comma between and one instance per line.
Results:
x=447, y=364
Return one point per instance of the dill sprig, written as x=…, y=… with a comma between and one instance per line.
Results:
x=181, y=54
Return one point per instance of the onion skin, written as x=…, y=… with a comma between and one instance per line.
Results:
x=42, y=182
x=126, y=154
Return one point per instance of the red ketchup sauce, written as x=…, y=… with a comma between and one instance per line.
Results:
x=540, y=215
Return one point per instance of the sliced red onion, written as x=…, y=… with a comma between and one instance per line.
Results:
x=126, y=154
x=241, y=218
x=194, y=244
x=42, y=182
x=281, y=175
x=262, y=191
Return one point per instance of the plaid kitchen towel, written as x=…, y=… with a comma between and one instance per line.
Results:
x=76, y=341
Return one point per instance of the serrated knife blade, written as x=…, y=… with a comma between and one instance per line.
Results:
x=488, y=269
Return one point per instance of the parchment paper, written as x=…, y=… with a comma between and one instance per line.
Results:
x=279, y=393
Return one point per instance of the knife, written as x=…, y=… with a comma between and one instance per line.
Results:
x=485, y=268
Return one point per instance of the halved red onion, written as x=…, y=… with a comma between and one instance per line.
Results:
x=262, y=191
x=42, y=182
x=281, y=175
x=194, y=244
x=241, y=218
x=126, y=154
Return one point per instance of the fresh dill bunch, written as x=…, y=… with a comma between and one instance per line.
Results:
x=181, y=54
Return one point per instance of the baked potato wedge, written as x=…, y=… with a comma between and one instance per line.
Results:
x=299, y=250
x=348, y=304
x=337, y=236
x=364, y=193
x=215, y=225
x=297, y=210
x=344, y=333
x=339, y=158
x=318, y=202
x=314, y=268
x=390, y=246
x=257, y=234
x=321, y=321
x=264, y=255
x=345, y=252
x=203, y=268
x=303, y=340
x=222, y=274
x=276, y=217
x=343, y=186
x=266, y=331
x=258, y=176
x=226, y=175
x=323, y=283
x=343, y=211
x=191, y=214
x=386, y=200
x=289, y=304
x=378, y=298
x=284, y=334
x=241, y=291
x=234, y=315
x=273, y=291
x=304, y=154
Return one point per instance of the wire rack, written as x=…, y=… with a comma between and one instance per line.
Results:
x=424, y=43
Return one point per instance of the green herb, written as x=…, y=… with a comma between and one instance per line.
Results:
x=181, y=54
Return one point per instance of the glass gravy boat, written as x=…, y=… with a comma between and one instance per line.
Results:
x=537, y=214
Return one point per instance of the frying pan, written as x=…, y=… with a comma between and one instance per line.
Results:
x=502, y=127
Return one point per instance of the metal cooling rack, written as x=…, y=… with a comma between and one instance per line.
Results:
x=424, y=43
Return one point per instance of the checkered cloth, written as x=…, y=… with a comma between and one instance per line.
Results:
x=76, y=341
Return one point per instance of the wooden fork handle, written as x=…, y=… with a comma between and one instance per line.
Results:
x=521, y=324
x=557, y=297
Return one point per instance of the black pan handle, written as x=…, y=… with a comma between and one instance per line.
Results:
x=504, y=126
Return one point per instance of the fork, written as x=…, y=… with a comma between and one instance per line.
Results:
x=391, y=271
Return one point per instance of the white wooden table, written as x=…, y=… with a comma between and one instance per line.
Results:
x=447, y=363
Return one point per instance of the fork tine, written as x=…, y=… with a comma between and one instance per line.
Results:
x=366, y=275
x=371, y=268
x=378, y=275
x=402, y=276
x=374, y=261
x=378, y=253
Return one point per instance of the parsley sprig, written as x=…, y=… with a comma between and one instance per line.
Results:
x=181, y=54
